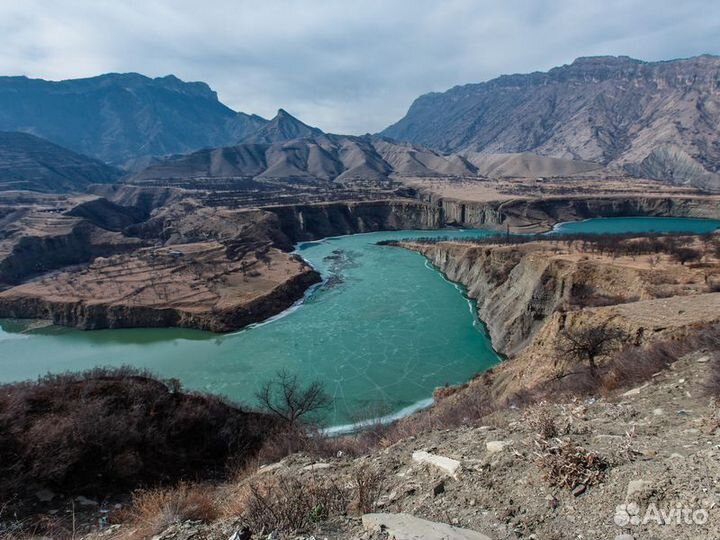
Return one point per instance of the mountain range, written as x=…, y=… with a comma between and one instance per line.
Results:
x=652, y=119
x=658, y=119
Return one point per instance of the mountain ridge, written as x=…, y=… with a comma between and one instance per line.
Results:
x=120, y=117
x=611, y=110
x=340, y=158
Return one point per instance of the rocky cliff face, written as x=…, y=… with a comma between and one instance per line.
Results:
x=80, y=242
x=310, y=222
x=542, y=214
x=528, y=289
x=610, y=110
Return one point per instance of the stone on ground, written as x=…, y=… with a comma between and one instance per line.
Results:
x=445, y=464
x=497, y=446
x=407, y=527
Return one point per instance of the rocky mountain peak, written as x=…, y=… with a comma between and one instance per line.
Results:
x=284, y=126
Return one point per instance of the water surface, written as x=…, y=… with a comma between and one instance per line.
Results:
x=382, y=332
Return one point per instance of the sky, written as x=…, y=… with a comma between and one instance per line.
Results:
x=346, y=66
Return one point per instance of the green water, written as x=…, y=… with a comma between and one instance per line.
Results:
x=382, y=332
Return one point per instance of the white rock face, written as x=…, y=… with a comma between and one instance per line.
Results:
x=497, y=446
x=407, y=527
x=446, y=464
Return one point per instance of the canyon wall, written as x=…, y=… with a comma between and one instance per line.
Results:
x=519, y=288
x=541, y=214
x=311, y=222
x=514, y=292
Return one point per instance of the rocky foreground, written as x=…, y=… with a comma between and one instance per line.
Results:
x=599, y=467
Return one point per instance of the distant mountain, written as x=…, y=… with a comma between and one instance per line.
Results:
x=31, y=163
x=610, y=110
x=283, y=127
x=319, y=158
x=120, y=117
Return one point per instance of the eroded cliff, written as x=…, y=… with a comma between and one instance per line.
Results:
x=519, y=288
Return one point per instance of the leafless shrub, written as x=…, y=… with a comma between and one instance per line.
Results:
x=369, y=485
x=712, y=423
x=543, y=421
x=685, y=254
x=109, y=429
x=286, y=504
x=712, y=385
x=565, y=464
x=588, y=343
x=625, y=451
x=633, y=365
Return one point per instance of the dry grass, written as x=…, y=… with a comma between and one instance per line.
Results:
x=542, y=420
x=153, y=511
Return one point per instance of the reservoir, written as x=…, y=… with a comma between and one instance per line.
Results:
x=381, y=332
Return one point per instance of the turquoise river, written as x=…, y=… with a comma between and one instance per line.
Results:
x=381, y=332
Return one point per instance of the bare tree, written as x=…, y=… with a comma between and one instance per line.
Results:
x=586, y=344
x=288, y=400
x=683, y=255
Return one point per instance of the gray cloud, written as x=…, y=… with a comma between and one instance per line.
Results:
x=346, y=66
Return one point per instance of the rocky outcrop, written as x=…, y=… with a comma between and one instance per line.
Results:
x=515, y=291
x=526, y=290
x=310, y=222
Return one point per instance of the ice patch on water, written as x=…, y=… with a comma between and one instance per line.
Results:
x=346, y=429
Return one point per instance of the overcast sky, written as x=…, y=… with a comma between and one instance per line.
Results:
x=345, y=66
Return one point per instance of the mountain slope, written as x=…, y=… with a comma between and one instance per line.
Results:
x=319, y=158
x=31, y=163
x=610, y=110
x=122, y=116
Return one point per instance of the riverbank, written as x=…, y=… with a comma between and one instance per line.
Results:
x=189, y=286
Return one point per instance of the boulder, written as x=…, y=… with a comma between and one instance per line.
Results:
x=407, y=527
